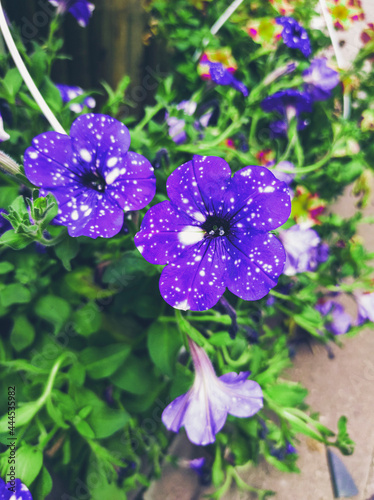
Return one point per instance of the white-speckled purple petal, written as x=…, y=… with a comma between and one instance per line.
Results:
x=92, y=214
x=254, y=265
x=195, y=280
x=49, y=162
x=164, y=233
x=257, y=199
x=21, y=491
x=131, y=181
x=196, y=187
x=99, y=141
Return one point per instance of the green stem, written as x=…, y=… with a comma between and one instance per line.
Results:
x=150, y=113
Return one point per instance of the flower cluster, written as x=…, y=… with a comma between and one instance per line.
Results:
x=214, y=233
x=203, y=410
x=92, y=175
x=68, y=93
x=345, y=12
x=80, y=9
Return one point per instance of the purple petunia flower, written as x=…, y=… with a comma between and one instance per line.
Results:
x=203, y=410
x=92, y=175
x=222, y=76
x=213, y=233
x=14, y=492
x=289, y=104
x=5, y=225
x=68, y=93
x=304, y=250
x=320, y=79
x=80, y=9
x=340, y=320
x=365, y=304
x=294, y=35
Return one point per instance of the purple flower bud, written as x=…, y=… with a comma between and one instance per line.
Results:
x=203, y=410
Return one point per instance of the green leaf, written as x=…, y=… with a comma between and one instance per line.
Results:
x=287, y=394
x=14, y=294
x=23, y=333
x=343, y=441
x=87, y=319
x=164, y=343
x=43, y=484
x=135, y=376
x=101, y=362
x=29, y=461
x=67, y=250
x=106, y=421
x=14, y=240
x=84, y=429
x=6, y=267
x=12, y=81
x=53, y=309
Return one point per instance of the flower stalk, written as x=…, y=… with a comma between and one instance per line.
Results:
x=55, y=124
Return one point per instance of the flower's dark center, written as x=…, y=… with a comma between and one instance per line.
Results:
x=216, y=226
x=93, y=180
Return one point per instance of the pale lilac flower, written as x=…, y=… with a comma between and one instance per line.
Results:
x=365, y=304
x=320, y=79
x=214, y=233
x=80, y=9
x=18, y=491
x=340, y=322
x=92, y=175
x=203, y=410
x=304, y=250
x=177, y=125
x=68, y=93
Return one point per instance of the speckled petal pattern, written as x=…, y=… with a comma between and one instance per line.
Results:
x=254, y=265
x=131, y=182
x=196, y=279
x=195, y=186
x=256, y=199
x=164, y=234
